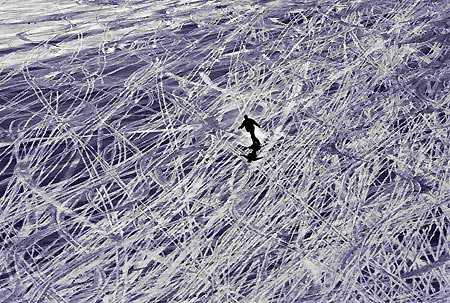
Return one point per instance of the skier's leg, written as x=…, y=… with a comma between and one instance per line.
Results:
x=252, y=135
x=255, y=140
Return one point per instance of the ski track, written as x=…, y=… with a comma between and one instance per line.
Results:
x=121, y=178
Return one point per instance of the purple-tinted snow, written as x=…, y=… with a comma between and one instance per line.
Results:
x=121, y=176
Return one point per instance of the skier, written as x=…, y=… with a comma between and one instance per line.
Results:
x=249, y=126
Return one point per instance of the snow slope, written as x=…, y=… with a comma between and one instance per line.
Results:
x=121, y=178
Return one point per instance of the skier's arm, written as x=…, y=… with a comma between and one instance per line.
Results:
x=242, y=125
x=254, y=122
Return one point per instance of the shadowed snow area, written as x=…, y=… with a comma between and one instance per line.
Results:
x=122, y=175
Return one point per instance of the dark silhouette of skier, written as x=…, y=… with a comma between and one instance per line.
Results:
x=249, y=126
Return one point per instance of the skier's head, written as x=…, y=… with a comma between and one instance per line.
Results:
x=245, y=116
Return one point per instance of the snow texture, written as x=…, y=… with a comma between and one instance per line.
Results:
x=121, y=176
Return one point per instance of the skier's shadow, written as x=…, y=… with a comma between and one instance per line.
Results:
x=252, y=156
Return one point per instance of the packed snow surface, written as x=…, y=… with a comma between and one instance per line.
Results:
x=122, y=177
